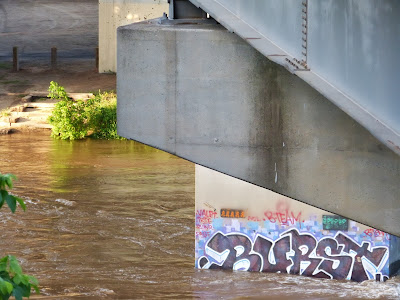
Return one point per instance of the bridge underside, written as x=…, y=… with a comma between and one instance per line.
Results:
x=345, y=49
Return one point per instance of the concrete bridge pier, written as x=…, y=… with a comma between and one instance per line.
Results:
x=261, y=138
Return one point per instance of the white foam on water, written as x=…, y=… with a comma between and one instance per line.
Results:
x=66, y=202
x=103, y=292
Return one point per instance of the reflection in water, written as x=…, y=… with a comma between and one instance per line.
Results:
x=115, y=219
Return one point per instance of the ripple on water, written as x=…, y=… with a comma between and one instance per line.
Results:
x=66, y=202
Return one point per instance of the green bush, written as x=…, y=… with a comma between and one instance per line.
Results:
x=56, y=91
x=69, y=119
x=6, y=180
x=77, y=119
x=103, y=116
x=13, y=282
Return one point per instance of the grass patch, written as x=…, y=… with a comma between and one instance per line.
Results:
x=14, y=81
x=5, y=65
x=5, y=113
x=39, y=99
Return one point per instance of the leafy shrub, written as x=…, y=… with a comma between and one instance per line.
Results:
x=103, y=116
x=76, y=119
x=13, y=282
x=69, y=119
x=56, y=91
x=6, y=180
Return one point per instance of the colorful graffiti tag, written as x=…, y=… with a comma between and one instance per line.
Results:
x=337, y=257
x=204, y=219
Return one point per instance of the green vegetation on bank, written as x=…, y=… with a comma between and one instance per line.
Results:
x=13, y=282
x=75, y=119
x=5, y=113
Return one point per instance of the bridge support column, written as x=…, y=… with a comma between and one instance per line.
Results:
x=200, y=92
x=241, y=226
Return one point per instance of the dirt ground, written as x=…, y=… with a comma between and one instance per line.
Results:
x=75, y=76
x=34, y=26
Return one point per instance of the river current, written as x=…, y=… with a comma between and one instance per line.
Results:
x=115, y=220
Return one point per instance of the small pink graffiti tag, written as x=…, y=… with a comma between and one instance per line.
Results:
x=371, y=232
x=204, y=220
x=283, y=215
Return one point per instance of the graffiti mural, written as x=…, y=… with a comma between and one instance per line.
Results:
x=243, y=227
x=338, y=257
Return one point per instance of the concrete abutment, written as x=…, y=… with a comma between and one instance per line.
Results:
x=200, y=92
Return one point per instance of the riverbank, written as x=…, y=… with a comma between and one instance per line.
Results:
x=76, y=76
x=32, y=112
x=36, y=26
x=23, y=94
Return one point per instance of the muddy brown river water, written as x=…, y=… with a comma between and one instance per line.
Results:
x=115, y=220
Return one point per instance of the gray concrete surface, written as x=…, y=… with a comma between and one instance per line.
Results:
x=202, y=93
x=350, y=49
x=394, y=257
x=37, y=25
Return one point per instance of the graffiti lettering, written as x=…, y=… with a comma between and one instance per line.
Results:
x=274, y=260
x=255, y=219
x=233, y=252
x=203, y=213
x=371, y=232
x=204, y=227
x=282, y=214
x=204, y=222
x=336, y=264
x=203, y=234
x=293, y=252
x=232, y=213
x=333, y=222
x=368, y=260
x=286, y=217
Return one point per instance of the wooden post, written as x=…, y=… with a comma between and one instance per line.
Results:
x=53, y=57
x=15, y=59
x=97, y=58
